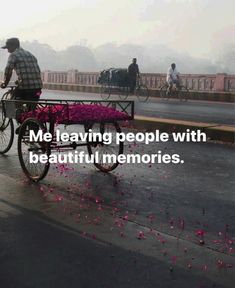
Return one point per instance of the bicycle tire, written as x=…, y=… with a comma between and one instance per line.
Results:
x=25, y=147
x=101, y=148
x=142, y=93
x=163, y=92
x=6, y=127
x=6, y=135
x=123, y=92
x=105, y=91
x=183, y=93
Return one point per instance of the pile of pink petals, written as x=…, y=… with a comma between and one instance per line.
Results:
x=75, y=113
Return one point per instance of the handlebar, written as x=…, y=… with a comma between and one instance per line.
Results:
x=11, y=86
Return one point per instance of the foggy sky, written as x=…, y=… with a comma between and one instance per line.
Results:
x=200, y=28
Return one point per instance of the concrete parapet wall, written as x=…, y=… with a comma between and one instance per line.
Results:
x=195, y=82
x=194, y=95
x=72, y=87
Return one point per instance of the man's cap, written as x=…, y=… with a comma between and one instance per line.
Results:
x=11, y=42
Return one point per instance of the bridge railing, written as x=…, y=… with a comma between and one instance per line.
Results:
x=55, y=77
x=89, y=78
x=229, y=83
x=194, y=82
x=191, y=81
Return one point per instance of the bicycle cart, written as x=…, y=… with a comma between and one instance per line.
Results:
x=116, y=81
x=51, y=115
x=181, y=93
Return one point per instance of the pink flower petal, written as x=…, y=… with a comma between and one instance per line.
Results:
x=141, y=235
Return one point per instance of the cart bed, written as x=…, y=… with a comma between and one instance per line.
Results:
x=73, y=112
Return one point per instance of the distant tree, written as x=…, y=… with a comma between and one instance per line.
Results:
x=46, y=55
x=225, y=59
x=153, y=59
x=77, y=57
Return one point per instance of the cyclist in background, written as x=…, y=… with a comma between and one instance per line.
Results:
x=133, y=73
x=172, y=77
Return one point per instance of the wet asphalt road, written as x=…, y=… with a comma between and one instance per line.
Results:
x=198, y=111
x=36, y=253
x=80, y=227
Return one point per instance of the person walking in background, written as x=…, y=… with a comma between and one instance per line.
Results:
x=133, y=73
x=29, y=83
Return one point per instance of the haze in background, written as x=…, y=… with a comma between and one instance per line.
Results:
x=90, y=35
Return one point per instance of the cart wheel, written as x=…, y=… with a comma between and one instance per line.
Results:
x=123, y=92
x=142, y=93
x=104, y=149
x=6, y=133
x=163, y=92
x=105, y=91
x=34, y=171
x=183, y=93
